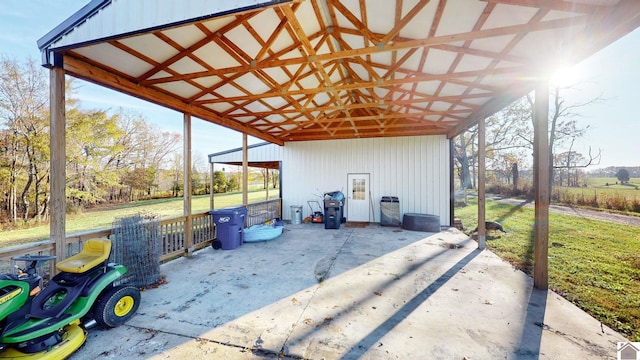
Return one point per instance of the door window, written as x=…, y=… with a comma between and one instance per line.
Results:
x=358, y=189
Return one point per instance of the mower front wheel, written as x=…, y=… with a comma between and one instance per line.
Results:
x=117, y=305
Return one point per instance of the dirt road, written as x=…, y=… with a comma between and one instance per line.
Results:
x=584, y=213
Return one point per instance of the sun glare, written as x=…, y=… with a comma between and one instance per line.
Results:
x=565, y=76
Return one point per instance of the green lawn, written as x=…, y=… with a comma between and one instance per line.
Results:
x=102, y=217
x=593, y=264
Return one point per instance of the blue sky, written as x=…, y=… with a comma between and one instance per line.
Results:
x=613, y=72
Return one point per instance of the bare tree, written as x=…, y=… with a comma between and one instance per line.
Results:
x=464, y=154
x=564, y=125
x=509, y=138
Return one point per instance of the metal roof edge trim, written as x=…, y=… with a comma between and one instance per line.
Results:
x=96, y=5
x=71, y=22
x=225, y=152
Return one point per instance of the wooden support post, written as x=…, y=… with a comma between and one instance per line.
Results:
x=245, y=170
x=452, y=187
x=266, y=180
x=188, y=222
x=211, y=186
x=542, y=188
x=58, y=207
x=482, y=231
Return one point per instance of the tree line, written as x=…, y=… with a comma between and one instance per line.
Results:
x=509, y=145
x=110, y=158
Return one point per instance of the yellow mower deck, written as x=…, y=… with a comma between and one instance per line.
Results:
x=73, y=338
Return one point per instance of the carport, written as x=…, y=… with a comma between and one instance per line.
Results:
x=290, y=71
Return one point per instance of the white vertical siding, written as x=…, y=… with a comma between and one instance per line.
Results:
x=416, y=169
x=413, y=168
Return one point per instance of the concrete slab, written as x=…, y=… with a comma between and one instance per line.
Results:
x=372, y=293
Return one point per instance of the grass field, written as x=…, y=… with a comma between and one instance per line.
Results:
x=602, y=193
x=598, y=186
x=103, y=217
x=630, y=190
x=593, y=264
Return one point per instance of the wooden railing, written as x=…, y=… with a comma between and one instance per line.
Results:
x=260, y=212
x=172, y=230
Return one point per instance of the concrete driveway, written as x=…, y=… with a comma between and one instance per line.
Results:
x=352, y=293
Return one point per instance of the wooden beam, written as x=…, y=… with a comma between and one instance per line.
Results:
x=560, y=5
x=85, y=71
x=577, y=21
x=542, y=188
x=482, y=231
x=516, y=72
x=404, y=21
x=306, y=136
x=497, y=103
x=58, y=207
x=186, y=195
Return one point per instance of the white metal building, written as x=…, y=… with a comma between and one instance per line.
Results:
x=415, y=169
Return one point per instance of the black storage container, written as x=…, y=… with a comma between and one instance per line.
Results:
x=332, y=214
x=389, y=211
x=229, y=226
x=337, y=196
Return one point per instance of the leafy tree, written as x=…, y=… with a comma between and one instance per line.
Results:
x=234, y=182
x=92, y=141
x=24, y=95
x=143, y=145
x=109, y=156
x=199, y=175
x=220, y=182
x=198, y=186
x=623, y=175
x=141, y=180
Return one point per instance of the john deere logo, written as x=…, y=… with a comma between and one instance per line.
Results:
x=10, y=295
x=224, y=219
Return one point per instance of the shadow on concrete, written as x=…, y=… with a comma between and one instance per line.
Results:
x=373, y=337
x=403, y=312
x=531, y=337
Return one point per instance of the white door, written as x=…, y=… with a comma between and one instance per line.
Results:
x=358, y=203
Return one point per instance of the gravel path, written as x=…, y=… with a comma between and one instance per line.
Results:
x=584, y=213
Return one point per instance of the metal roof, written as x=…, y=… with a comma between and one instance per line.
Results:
x=332, y=69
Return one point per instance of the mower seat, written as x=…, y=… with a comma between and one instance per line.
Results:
x=94, y=252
